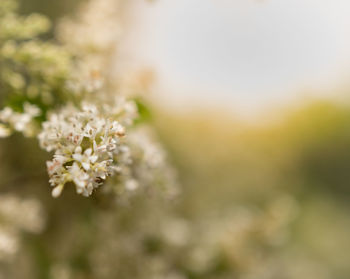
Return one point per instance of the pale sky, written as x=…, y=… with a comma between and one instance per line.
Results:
x=242, y=54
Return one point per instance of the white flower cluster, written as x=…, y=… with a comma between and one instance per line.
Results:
x=92, y=37
x=63, y=81
x=150, y=166
x=88, y=147
x=21, y=122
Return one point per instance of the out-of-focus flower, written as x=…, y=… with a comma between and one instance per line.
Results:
x=17, y=215
x=96, y=30
x=21, y=122
x=4, y=131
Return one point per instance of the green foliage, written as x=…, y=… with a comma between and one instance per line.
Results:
x=144, y=113
x=31, y=70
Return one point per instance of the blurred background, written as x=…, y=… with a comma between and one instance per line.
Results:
x=251, y=100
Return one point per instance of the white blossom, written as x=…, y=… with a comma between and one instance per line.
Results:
x=20, y=122
x=87, y=147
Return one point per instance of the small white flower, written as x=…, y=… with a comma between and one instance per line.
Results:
x=31, y=110
x=131, y=184
x=6, y=114
x=56, y=192
x=80, y=177
x=86, y=159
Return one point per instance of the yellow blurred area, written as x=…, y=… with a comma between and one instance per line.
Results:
x=303, y=151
